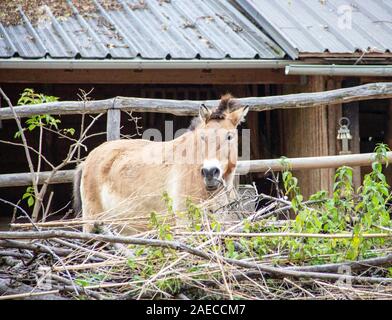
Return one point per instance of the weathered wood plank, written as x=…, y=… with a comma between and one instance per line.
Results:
x=351, y=111
x=388, y=133
x=24, y=179
x=308, y=163
x=243, y=167
x=113, y=124
x=334, y=113
x=23, y=291
x=188, y=108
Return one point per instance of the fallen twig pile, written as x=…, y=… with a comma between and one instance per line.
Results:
x=53, y=260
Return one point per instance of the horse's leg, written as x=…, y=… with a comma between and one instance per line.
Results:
x=91, y=205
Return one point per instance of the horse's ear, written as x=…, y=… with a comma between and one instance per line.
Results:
x=204, y=113
x=239, y=115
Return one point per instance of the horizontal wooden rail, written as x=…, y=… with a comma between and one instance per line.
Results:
x=308, y=163
x=24, y=179
x=243, y=167
x=370, y=91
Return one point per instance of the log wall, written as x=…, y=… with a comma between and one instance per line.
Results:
x=312, y=133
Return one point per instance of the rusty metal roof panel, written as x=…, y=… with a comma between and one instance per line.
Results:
x=325, y=26
x=149, y=29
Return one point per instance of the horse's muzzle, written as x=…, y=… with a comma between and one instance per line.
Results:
x=212, y=185
x=211, y=178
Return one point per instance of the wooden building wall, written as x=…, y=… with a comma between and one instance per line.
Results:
x=311, y=132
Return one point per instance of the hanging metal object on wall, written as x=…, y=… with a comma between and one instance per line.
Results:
x=344, y=135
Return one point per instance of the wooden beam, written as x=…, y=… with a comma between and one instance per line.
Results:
x=243, y=167
x=334, y=113
x=365, y=80
x=113, y=124
x=320, y=180
x=351, y=111
x=388, y=138
x=388, y=133
x=159, y=76
x=308, y=163
x=24, y=179
x=188, y=108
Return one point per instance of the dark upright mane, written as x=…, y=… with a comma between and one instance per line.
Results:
x=194, y=123
x=227, y=104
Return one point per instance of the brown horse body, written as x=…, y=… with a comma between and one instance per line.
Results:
x=125, y=179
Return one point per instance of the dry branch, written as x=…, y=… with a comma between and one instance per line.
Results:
x=354, y=265
x=189, y=108
x=32, y=247
x=27, y=154
x=69, y=287
x=52, y=234
x=329, y=267
x=23, y=291
x=289, y=235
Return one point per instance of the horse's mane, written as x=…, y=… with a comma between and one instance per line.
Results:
x=227, y=104
x=194, y=124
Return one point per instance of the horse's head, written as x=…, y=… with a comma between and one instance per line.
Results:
x=217, y=139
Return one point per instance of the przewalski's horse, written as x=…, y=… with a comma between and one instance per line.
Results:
x=125, y=179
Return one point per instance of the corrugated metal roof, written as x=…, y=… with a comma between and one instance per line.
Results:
x=176, y=29
x=325, y=26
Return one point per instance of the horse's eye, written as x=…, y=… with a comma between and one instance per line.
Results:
x=230, y=136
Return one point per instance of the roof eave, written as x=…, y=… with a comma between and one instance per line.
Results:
x=359, y=54
x=133, y=64
x=340, y=70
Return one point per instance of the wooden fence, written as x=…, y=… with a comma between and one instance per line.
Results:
x=370, y=91
x=114, y=106
x=243, y=167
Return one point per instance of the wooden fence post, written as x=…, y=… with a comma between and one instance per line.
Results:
x=351, y=111
x=1, y=123
x=113, y=124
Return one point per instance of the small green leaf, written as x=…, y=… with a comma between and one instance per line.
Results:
x=30, y=201
x=17, y=134
x=26, y=195
x=82, y=282
x=131, y=264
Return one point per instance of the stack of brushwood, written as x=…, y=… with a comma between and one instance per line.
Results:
x=255, y=256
